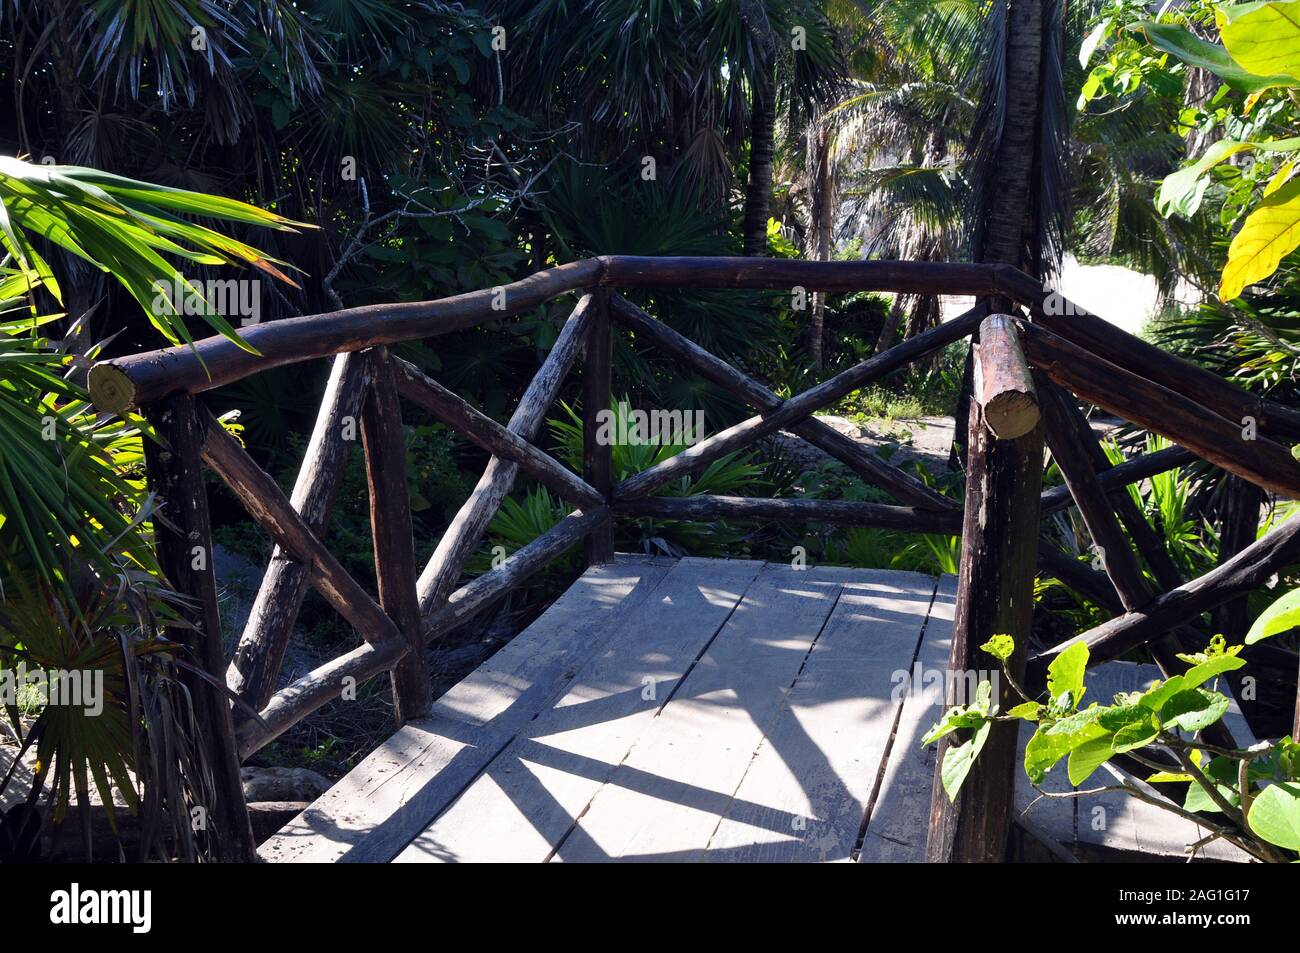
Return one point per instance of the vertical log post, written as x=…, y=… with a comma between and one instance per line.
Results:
x=597, y=455
x=183, y=538
x=995, y=595
x=1238, y=527
x=390, y=524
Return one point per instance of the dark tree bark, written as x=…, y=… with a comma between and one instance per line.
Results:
x=762, y=145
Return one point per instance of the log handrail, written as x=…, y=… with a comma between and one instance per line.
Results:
x=1026, y=370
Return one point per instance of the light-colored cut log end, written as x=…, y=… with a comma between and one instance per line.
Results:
x=1011, y=414
x=110, y=389
x=1004, y=385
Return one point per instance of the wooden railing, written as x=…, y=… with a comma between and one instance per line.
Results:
x=1026, y=362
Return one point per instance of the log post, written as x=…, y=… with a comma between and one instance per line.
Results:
x=1238, y=527
x=390, y=525
x=183, y=538
x=1003, y=380
x=597, y=454
x=995, y=595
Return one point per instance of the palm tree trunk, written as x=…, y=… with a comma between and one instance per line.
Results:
x=1012, y=227
x=762, y=142
x=824, y=213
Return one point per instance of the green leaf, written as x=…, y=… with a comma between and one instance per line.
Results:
x=1050, y=745
x=1065, y=674
x=1029, y=711
x=954, y=719
x=1264, y=37
x=1191, y=49
x=1180, y=192
x=1088, y=757
x=1211, y=668
x=958, y=760
x=1275, y=815
x=1000, y=647
x=1282, y=616
x=1198, y=799
x=1194, y=709
x=1155, y=697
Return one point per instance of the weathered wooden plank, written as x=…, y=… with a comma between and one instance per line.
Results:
x=512, y=686
x=491, y=704
x=597, y=455
x=260, y=653
x=1117, y=559
x=527, y=800
x=685, y=767
x=705, y=507
x=125, y=382
x=471, y=521
x=796, y=408
x=183, y=539
x=390, y=529
x=1003, y=383
x=858, y=457
x=805, y=794
x=483, y=431
x=900, y=809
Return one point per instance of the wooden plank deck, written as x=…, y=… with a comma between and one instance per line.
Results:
x=675, y=710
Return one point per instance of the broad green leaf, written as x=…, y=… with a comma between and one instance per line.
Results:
x=1088, y=757
x=1263, y=37
x=1179, y=192
x=1029, y=711
x=1136, y=734
x=1191, y=49
x=1065, y=674
x=1282, y=616
x=1275, y=815
x=1199, y=800
x=1050, y=745
x=1000, y=647
x=955, y=718
x=1193, y=709
x=1222, y=772
x=1155, y=697
x=1198, y=675
x=957, y=761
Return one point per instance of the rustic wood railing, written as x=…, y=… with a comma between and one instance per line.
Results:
x=1027, y=365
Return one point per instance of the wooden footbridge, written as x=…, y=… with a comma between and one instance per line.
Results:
x=691, y=709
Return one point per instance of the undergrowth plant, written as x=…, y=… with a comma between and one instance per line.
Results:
x=1252, y=793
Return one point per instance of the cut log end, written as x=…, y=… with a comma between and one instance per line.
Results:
x=1011, y=414
x=1005, y=388
x=110, y=389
